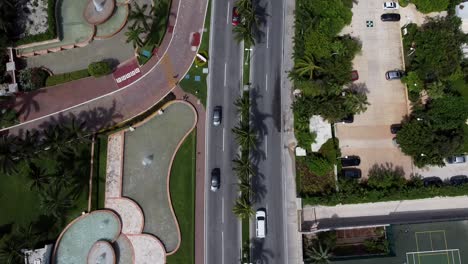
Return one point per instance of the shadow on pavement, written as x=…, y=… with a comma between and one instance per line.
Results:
x=259, y=254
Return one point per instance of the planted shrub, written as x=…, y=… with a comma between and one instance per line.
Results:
x=32, y=78
x=66, y=77
x=100, y=68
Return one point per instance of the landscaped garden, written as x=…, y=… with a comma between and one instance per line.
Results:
x=182, y=188
x=43, y=185
x=195, y=81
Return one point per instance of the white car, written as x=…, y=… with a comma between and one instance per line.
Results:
x=390, y=5
x=260, y=219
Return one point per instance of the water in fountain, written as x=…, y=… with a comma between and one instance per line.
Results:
x=147, y=160
x=99, y=6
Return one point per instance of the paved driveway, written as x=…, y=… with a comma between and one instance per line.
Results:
x=369, y=136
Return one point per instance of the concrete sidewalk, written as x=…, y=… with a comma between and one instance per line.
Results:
x=432, y=209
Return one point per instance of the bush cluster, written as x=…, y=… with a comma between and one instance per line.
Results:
x=51, y=32
x=32, y=78
x=100, y=68
x=66, y=77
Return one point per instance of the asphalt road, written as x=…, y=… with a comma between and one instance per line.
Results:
x=223, y=230
x=266, y=116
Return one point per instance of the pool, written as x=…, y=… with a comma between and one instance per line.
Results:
x=81, y=235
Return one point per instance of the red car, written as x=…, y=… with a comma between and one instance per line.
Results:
x=235, y=16
x=354, y=76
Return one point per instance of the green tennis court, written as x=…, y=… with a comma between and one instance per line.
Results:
x=449, y=256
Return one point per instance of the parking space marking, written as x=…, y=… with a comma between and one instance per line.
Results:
x=224, y=132
x=225, y=73
x=266, y=82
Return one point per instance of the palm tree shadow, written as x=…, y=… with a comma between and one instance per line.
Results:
x=93, y=119
x=257, y=185
x=262, y=15
x=259, y=254
x=27, y=103
x=258, y=125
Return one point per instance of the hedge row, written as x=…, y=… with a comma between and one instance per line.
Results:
x=66, y=77
x=51, y=32
x=353, y=193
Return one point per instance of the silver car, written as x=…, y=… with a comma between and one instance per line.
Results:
x=456, y=159
x=217, y=115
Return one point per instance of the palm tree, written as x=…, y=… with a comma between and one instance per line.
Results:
x=244, y=32
x=137, y=14
x=39, y=177
x=320, y=256
x=63, y=178
x=55, y=201
x=306, y=66
x=10, y=249
x=133, y=35
x=8, y=155
x=243, y=208
x=245, y=135
x=7, y=8
x=75, y=130
x=28, y=146
x=56, y=139
x=243, y=105
x=242, y=166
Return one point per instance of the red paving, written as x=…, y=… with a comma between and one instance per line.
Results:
x=98, y=103
x=127, y=73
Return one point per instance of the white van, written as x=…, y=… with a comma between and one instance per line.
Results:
x=260, y=220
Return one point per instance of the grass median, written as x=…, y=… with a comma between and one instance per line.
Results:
x=182, y=188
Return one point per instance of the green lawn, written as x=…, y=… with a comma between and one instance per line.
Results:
x=182, y=188
x=199, y=89
x=20, y=205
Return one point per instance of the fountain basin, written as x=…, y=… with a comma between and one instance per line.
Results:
x=98, y=11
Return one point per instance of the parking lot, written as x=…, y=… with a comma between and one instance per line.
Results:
x=369, y=136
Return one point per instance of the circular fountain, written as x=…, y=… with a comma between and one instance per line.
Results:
x=98, y=11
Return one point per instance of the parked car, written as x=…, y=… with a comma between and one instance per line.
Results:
x=354, y=75
x=235, y=16
x=217, y=115
x=394, y=128
x=348, y=161
x=456, y=159
x=351, y=173
x=215, y=179
x=395, y=142
x=458, y=180
x=389, y=17
x=394, y=75
x=432, y=181
x=260, y=223
x=390, y=5
x=349, y=119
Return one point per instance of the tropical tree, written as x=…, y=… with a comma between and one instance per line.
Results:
x=306, y=66
x=133, y=35
x=242, y=166
x=28, y=145
x=139, y=16
x=7, y=9
x=244, y=32
x=317, y=256
x=245, y=135
x=10, y=249
x=8, y=154
x=243, y=105
x=74, y=130
x=243, y=207
x=39, y=177
x=55, y=201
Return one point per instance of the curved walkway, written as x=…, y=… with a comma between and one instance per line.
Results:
x=98, y=101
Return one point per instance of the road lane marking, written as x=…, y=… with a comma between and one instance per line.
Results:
x=225, y=73
x=266, y=82
x=222, y=209
x=222, y=247
x=268, y=37
x=227, y=15
x=266, y=146
x=224, y=132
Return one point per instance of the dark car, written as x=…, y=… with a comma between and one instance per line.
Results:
x=349, y=161
x=394, y=75
x=458, y=180
x=235, y=16
x=349, y=119
x=388, y=17
x=215, y=179
x=456, y=159
x=395, y=128
x=432, y=181
x=217, y=115
x=351, y=173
